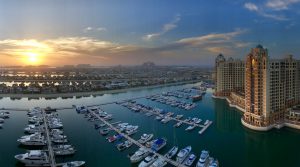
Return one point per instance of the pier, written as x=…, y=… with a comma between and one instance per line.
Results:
x=52, y=161
x=170, y=161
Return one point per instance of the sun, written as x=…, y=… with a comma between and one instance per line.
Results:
x=32, y=58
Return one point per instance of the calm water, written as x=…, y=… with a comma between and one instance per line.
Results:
x=226, y=139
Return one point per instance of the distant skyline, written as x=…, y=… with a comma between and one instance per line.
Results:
x=174, y=32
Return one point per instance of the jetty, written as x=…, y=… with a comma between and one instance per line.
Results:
x=170, y=161
x=49, y=143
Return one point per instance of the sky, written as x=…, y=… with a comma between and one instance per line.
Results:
x=129, y=32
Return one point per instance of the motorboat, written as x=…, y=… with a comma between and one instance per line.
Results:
x=166, y=119
x=61, y=147
x=183, y=154
x=148, y=160
x=34, y=129
x=1, y=120
x=4, y=115
x=33, y=140
x=33, y=157
x=191, y=127
x=104, y=131
x=1, y=125
x=213, y=162
x=65, y=151
x=124, y=145
x=172, y=152
x=160, y=162
x=132, y=130
x=178, y=116
x=114, y=138
x=139, y=155
x=158, y=144
x=178, y=124
x=74, y=164
x=203, y=160
x=81, y=109
x=145, y=138
x=190, y=160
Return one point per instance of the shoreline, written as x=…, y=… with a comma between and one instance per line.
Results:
x=72, y=94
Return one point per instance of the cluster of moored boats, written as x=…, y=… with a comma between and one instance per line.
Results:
x=148, y=157
x=37, y=137
x=172, y=102
x=164, y=116
x=3, y=115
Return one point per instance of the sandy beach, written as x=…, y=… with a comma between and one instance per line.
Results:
x=54, y=95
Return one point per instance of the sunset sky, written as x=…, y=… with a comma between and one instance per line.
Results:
x=127, y=32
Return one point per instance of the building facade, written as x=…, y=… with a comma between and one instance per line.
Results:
x=229, y=75
x=272, y=88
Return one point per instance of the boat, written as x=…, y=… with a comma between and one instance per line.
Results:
x=65, y=151
x=1, y=125
x=4, y=115
x=1, y=120
x=196, y=98
x=148, y=160
x=158, y=144
x=33, y=157
x=74, y=164
x=213, y=162
x=34, y=129
x=160, y=162
x=190, y=160
x=81, y=109
x=33, y=140
x=139, y=155
x=114, y=138
x=183, y=154
x=104, y=131
x=178, y=124
x=132, y=130
x=204, y=159
x=60, y=147
x=166, y=119
x=172, y=152
x=178, y=116
x=124, y=145
x=159, y=117
x=191, y=127
x=145, y=138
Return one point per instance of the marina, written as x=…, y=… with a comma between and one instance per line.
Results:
x=95, y=150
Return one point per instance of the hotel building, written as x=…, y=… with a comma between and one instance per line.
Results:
x=272, y=91
x=229, y=76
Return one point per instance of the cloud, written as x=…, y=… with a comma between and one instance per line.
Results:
x=260, y=11
x=280, y=4
x=94, y=29
x=72, y=50
x=251, y=6
x=166, y=28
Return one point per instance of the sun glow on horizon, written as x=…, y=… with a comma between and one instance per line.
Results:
x=32, y=58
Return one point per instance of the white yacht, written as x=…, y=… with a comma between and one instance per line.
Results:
x=159, y=163
x=33, y=157
x=34, y=129
x=148, y=160
x=33, y=140
x=183, y=154
x=191, y=127
x=4, y=115
x=178, y=124
x=190, y=160
x=172, y=152
x=203, y=160
x=145, y=138
x=139, y=155
x=65, y=151
x=74, y=164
